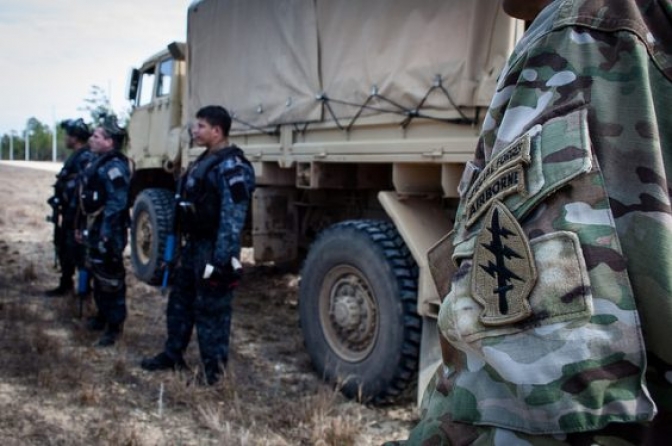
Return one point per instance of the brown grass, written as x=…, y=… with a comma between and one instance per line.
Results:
x=29, y=274
x=57, y=388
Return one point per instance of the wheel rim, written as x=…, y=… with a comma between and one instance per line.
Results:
x=144, y=235
x=348, y=313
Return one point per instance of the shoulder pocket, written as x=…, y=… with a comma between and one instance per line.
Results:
x=500, y=255
x=527, y=171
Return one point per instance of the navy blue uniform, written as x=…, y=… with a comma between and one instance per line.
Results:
x=70, y=253
x=104, y=200
x=219, y=187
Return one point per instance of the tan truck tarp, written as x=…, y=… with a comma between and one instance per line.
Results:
x=267, y=61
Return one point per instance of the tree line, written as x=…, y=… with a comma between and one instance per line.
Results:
x=40, y=136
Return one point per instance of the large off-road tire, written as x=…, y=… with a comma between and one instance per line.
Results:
x=357, y=303
x=152, y=221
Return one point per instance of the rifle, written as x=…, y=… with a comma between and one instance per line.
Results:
x=55, y=204
x=172, y=240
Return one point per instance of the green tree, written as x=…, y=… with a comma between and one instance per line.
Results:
x=17, y=144
x=40, y=139
x=97, y=104
x=4, y=147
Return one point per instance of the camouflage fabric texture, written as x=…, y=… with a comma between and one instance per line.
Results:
x=206, y=304
x=67, y=182
x=563, y=240
x=70, y=254
x=108, y=176
x=195, y=303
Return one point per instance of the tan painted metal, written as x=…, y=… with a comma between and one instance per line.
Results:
x=297, y=145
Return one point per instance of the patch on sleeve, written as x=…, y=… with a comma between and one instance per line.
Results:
x=502, y=176
x=236, y=182
x=114, y=173
x=117, y=178
x=504, y=271
x=468, y=175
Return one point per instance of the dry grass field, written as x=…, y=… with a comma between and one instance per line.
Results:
x=56, y=388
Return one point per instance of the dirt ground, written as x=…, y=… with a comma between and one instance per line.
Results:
x=56, y=388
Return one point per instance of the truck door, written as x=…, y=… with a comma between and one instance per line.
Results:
x=139, y=127
x=161, y=111
x=157, y=110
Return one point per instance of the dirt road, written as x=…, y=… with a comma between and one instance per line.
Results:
x=57, y=388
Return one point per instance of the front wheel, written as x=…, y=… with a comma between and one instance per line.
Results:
x=152, y=221
x=357, y=303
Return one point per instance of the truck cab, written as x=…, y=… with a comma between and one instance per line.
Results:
x=155, y=130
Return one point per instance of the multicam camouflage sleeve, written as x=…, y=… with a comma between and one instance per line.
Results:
x=563, y=237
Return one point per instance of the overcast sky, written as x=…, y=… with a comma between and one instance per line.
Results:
x=53, y=51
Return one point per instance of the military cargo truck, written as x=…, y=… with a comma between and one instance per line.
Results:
x=358, y=118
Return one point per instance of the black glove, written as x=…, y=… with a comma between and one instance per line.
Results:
x=228, y=275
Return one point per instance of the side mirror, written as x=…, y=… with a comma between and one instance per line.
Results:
x=177, y=50
x=133, y=82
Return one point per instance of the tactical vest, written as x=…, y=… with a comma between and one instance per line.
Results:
x=65, y=188
x=200, y=195
x=93, y=194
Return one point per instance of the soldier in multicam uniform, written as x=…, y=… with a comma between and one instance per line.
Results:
x=556, y=326
x=214, y=198
x=70, y=253
x=104, y=201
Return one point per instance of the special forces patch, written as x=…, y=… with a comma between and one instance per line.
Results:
x=504, y=273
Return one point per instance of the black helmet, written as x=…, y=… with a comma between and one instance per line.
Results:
x=76, y=128
x=111, y=126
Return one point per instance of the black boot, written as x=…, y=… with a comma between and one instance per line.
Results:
x=213, y=371
x=64, y=287
x=163, y=362
x=110, y=336
x=95, y=323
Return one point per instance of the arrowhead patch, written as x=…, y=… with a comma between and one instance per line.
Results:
x=503, y=274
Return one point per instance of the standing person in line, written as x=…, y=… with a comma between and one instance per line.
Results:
x=215, y=194
x=70, y=252
x=556, y=327
x=104, y=201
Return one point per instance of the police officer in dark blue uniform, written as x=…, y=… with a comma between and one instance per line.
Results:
x=215, y=196
x=104, y=201
x=64, y=203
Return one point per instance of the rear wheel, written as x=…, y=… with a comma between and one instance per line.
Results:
x=152, y=222
x=358, y=299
